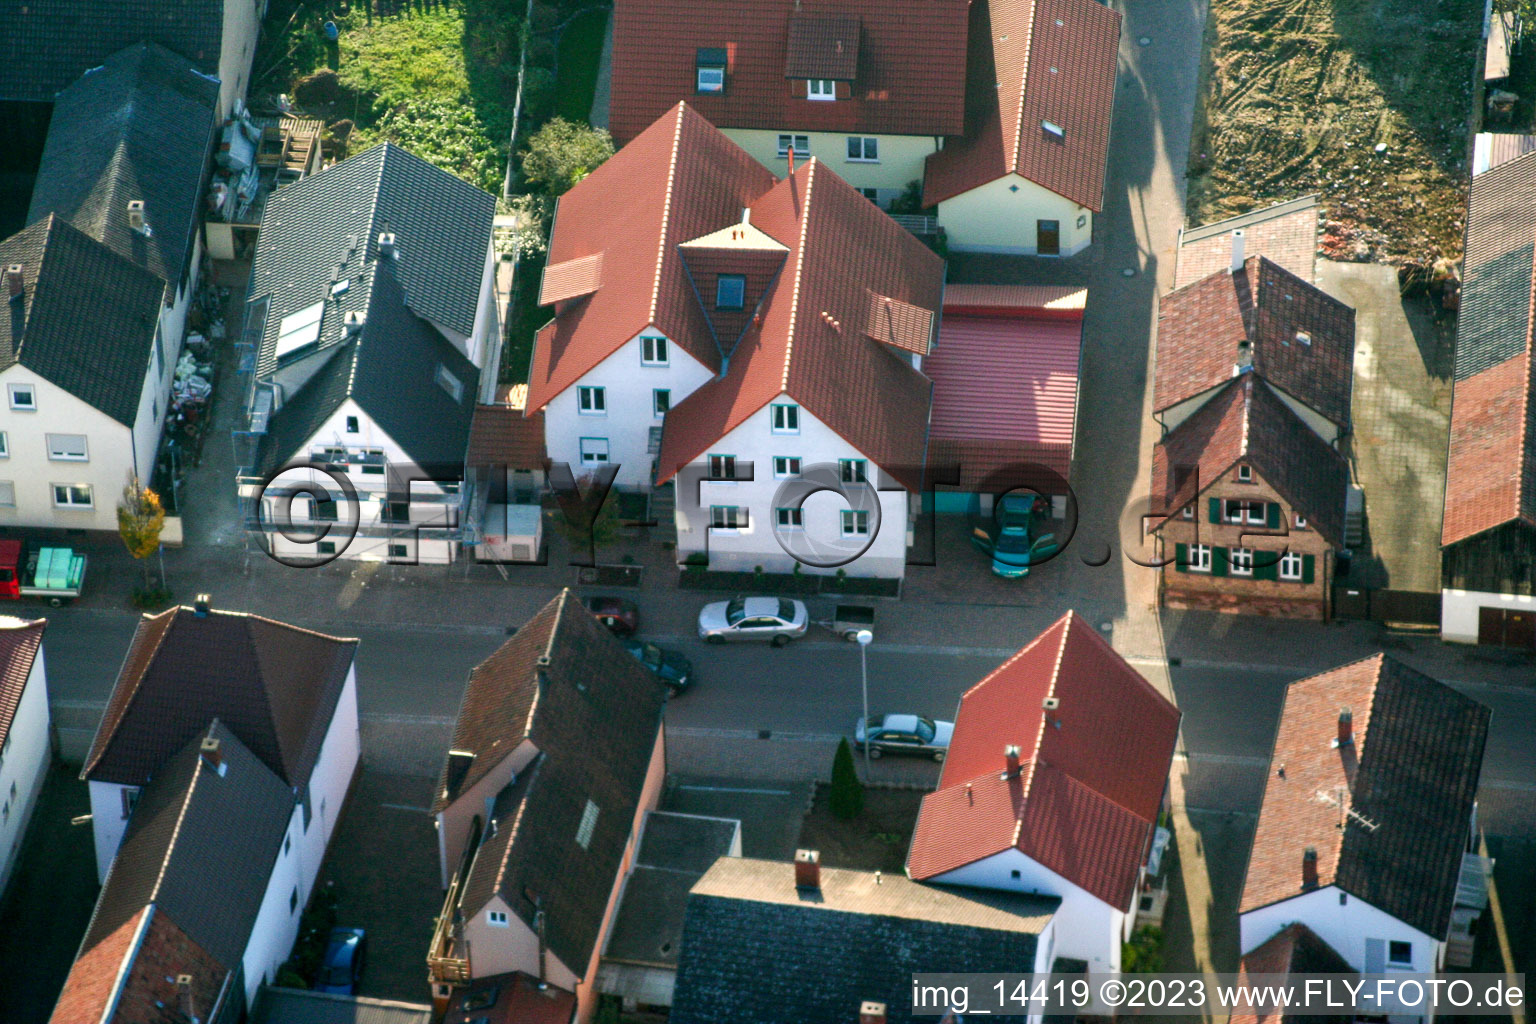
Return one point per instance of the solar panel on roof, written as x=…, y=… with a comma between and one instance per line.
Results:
x=299, y=330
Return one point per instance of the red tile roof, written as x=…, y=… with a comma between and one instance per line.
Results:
x=136, y=973
x=909, y=77
x=1201, y=329
x=1092, y=770
x=500, y=435
x=1030, y=62
x=1246, y=421
x=1403, y=790
x=1294, y=949
x=1004, y=394
x=20, y=640
x=1490, y=475
x=517, y=998
x=1005, y=299
x=1285, y=233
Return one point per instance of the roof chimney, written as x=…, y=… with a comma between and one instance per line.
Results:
x=15, y=280
x=136, y=219
x=200, y=606
x=184, y=996
x=1309, y=868
x=791, y=158
x=1346, y=728
x=1011, y=758
x=211, y=755
x=808, y=869
x=871, y=1012
x=1237, y=250
x=387, y=245
x=354, y=321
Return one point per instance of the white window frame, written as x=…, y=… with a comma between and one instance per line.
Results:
x=1251, y=513
x=1300, y=521
x=790, y=417
x=821, y=89
x=791, y=467
x=7, y=499
x=591, y=400
x=722, y=467
x=1240, y=561
x=90, y=496
x=789, y=518
x=855, y=522
x=1244, y=473
x=590, y=455
x=449, y=382
x=1290, y=567
x=496, y=918
x=869, y=149
x=657, y=401
x=57, y=452
x=653, y=350
x=1199, y=558
x=853, y=471
x=716, y=82
x=732, y=518
x=30, y=390
x=802, y=144
x=5, y=445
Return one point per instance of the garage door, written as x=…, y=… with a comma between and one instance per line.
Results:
x=1505, y=627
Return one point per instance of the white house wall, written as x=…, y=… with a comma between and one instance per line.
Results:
x=1345, y=927
x=498, y=949
x=743, y=550
x=24, y=766
x=454, y=821
x=1459, y=611
x=1000, y=217
x=237, y=48
x=630, y=411
x=1087, y=928
x=107, y=822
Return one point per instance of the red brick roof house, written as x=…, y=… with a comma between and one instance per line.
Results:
x=869, y=89
x=1254, y=375
x=709, y=319
x=1368, y=822
x=1488, y=539
x=1053, y=783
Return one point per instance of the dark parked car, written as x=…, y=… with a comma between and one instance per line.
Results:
x=904, y=734
x=619, y=614
x=671, y=669
x=342, y=966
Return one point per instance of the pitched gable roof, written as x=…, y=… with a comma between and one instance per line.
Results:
x=1491, y=470
x=20, y=642
x=135, y=969
x=65, y=329
x=755, y=948
x=1294, y=949
x=47, y=44
x=904, y=61
x=1248, y=422
x=1403, y=790
x=274, y=685
x=1031, y=63
x=1092, y=770
x=1260, y=315
x=138, y=128
x=593, y=712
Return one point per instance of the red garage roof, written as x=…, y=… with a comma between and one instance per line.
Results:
x=1091, y=769
x=1005, y=384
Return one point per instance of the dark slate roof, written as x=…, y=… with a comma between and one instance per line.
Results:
x=757, y=949
x=568, y=686
x=200, y=846
x=333, y=219
x=274, y=685
x=86, y=319
x=675, y=852
x=20, y=640
x=1494, y=322
x=1411, y=772
x=47, y=44
x=394, y=346
x=295, y=1006
x=138, y=127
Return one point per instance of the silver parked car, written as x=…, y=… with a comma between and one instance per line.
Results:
x=903, y=734
x=775, y=619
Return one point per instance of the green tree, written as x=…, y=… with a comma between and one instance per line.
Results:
x=1144, y=953
x=140, y=518
x=562, y=153
x=847, y=796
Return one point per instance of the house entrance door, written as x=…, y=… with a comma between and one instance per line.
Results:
x=1048, y=237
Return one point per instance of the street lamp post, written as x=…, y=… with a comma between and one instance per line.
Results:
x=864, y=637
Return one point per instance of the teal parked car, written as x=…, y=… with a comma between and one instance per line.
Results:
x=1009, y=537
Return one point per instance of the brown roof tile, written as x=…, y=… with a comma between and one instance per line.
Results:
x=1387, y=813
x=571, y=279
x=908, y=57
x=1491, y=470
x=147, y=982
x=1033, y=62
x=275, y=685
x=1294, y=949
x=20, y=640
x=1092, y=771
x=1202, y=328
x=1285, y=233
x=500, y=435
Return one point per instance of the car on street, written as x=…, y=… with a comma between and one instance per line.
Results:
x=671, y=669
x=777, y=620
x=619, y=614
x=903, y=734
x=1009, y=536
x=342, y=966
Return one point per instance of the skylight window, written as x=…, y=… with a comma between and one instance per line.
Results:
x=299, y=330
x=1053, y=130
x=340, y=287
x=588, y=826
x=449, y=382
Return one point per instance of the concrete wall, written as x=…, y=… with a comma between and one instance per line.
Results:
x=630, y=414
x=1459, y=611
x=901, y=156
x=742, y=550
x=1345, y=927
x=24, y=766
x=1000, y=217
x=1087, y=928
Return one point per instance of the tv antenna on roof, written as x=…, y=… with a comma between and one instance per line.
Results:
x=1340, y=798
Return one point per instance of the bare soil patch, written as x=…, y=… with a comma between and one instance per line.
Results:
x=876, y=840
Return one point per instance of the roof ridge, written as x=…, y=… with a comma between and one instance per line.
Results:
x=138, y=683
x=1015, y=656
x=804, y=215
x=181, y=817
x=288, y=625
x=666, y=209
x=517, y=820
x=1018, y=124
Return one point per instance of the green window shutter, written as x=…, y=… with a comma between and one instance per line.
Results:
x=1266, y=564
x=1218, y=561
x=1181, y=557
x=1215, y=510
x=1272, y=515
x=1308, y=568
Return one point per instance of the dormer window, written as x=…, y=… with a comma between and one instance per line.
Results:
x=730, y=291
x=1053, y=131
x=1303, y=338
x=711, y=80
x=709, y=70
x=821, y=89
x=1244, y=473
